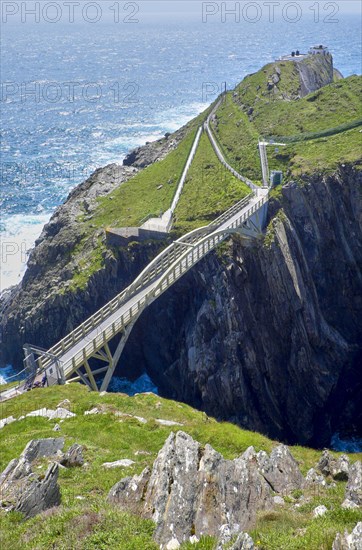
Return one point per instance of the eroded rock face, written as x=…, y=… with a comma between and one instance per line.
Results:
x=315, y=72
x=193, y=490
x=280, y=470
x=347, y=541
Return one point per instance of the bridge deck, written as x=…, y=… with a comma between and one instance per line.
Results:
x=147, y=291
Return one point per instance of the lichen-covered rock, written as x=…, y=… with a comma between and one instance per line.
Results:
x=226, y=533
x=336, y=467
x=73, y=457
x=313, y=478
x=347, y=541
x=354, y=485
x=130, y=491
x=280, y=470
x=243, y=542
x=194, y=491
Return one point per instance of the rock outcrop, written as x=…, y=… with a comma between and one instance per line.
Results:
x=194, y=491
x=347, y=541
x=73, y=457
x=336, y=467
x=315, y=71
x=26, y=492
x=280, y=470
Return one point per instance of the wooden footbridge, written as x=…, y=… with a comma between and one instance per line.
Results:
x=86, y=351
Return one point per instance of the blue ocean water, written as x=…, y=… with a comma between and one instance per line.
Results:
x=76, y=97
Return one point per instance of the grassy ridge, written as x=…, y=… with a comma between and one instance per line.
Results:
x=84, y=521
x=238, y=138
x=330, y=117
x=209, y=190
x=319, y=155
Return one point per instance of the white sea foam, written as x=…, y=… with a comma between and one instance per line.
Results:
x=17, y=236
x=7, y=374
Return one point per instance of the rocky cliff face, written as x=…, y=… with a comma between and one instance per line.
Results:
x=269, y=335
x=315, y=71
x=265, y=334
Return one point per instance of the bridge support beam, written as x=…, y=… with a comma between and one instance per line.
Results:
x=113, y=360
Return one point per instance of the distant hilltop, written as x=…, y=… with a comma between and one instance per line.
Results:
x=315, y=68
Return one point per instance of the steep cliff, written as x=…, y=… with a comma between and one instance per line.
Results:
x=269, y=335
x=315, y=72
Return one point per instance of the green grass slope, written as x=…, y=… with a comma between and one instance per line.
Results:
x=85, y=521
x=209, y=190
x=322, y=129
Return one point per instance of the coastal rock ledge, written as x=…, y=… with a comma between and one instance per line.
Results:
x=193, y=491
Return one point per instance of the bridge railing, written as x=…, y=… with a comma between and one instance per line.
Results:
x=217, y=149
x=187, y=259
x=147, y=276
x=156, y=267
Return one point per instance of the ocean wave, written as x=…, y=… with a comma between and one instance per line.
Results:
x=18, y=234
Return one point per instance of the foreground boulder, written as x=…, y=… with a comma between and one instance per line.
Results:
x=349, y=542
x=194, y=491
x=24, y=491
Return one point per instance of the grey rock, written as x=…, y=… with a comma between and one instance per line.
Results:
x=24, y=491
x=129, y=492
x=280, y=470
x=168, y=422
x=38, y=495
x=73, y=457
x=349, y=504
x=193, y=490
x=52, y=414
x=95, y=410
x=60, y=413
x=38, y=448
x=313, y=478
x=65, y=404
x=243, y=542
x=279, y=501
x=335, y=467
x=347, y=541
x=354, y=485
x=226, y=533
x=320, y=511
